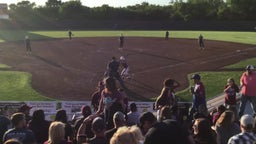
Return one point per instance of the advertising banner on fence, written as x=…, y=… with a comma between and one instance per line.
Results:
x=50, y=108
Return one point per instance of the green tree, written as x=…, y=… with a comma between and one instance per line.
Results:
x=181, y=11
x=244, y=9
x=22, y=10
x=224, y=12
x=53, y=3
x=51, y=9
x=71, y=10
x=147, y=11
x=104, y=12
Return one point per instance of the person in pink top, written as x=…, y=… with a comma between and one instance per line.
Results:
x=248, y=83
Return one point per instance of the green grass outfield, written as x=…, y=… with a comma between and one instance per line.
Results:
x=214, y=83
x=239, y=37
x=17, y=85
x=215, y=86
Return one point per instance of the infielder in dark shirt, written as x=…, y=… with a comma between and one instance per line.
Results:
x=113, y=67
x=166, y=35
x=121, y=41
x=27, y=44
x=70, y=34
x=201, y=41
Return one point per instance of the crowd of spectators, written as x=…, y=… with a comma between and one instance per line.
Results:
x=116, y=122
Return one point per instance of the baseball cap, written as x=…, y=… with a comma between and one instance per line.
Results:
x=249, y=67
x=195, y=76
x=98, y=124
x=247, y=120
x=24, y=107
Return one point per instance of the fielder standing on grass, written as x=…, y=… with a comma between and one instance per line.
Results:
x=27, y=44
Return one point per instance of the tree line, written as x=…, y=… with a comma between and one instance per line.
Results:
x=178, y=10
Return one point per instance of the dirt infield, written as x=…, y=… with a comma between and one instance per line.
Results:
x=70, y=69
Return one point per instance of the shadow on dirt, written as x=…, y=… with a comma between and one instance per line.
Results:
x=49, y=62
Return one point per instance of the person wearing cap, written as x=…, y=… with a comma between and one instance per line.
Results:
x=247, y=84
x=246, y=136
x=19, y=130
x=24, y=108
x=198, y=92
x=113, y=67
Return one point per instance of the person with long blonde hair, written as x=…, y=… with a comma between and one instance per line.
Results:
x=127, y=135
x=57, y=134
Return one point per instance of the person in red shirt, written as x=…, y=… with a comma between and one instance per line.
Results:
x=248, y=83
x=198, y=93
x=231, y=89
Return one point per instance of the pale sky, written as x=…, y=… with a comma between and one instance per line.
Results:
x=94, y=3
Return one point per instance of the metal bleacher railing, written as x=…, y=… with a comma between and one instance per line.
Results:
x=219, y=99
